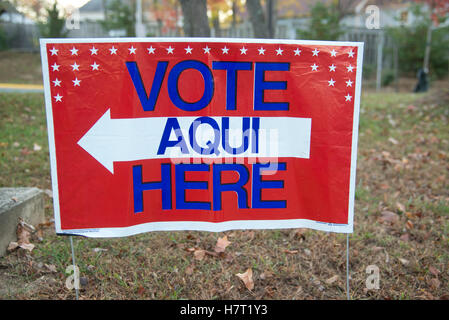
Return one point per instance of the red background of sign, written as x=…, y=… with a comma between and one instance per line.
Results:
x=91, y=197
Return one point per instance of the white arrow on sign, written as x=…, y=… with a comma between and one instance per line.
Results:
x=113, y=140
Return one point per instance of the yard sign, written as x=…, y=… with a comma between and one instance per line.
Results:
x=201, y=134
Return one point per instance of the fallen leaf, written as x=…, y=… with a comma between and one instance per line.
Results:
x=221, y=245
x=291, y=251
x=434, y=283
x=247, y=278
x=37, y=147
x=189, y=270
x=12, y=246
x=400, y=207
x=51, y=267
x=393, y=140
x=265, y=275
x=27, y=246
x=388, y=216
x=141, y=291
x=99, y=250
x=332, y=279
x=409, y=225
x=434, y=271
x=199, y=254
x=405, y=237
x=405, y=262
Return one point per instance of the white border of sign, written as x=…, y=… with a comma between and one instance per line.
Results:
x=197, y=225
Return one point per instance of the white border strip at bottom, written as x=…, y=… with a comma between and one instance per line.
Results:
x=209, y=226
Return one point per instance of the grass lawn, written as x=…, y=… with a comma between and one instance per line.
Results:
x=403, y=168
x=20, y=67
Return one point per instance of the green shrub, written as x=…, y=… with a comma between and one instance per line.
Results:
x=324, y=23
x=411, y=41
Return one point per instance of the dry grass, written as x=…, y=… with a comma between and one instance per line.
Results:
x=403, y=167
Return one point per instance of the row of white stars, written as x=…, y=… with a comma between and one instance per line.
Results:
x=95, y=66
x=224, y=50
x=75, y=66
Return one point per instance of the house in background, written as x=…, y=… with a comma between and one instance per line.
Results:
x=8, y=13
x=294, y=15
x=160, y=18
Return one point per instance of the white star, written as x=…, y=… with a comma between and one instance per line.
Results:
x=75, y=66
x=348, y=97
x=132, y=50
x=58, y=98
x=315, y=52
x=331, y=82
x=76, y=82
x=54, y=51
x=94, y=66
x=297, y=52
x=93, y=51
x=349, y=83
x=170, y=50
x=55, y=67
x=151, y=50
x=314, y=67
x=351, y=54
x=243, y=50
x=206, y=50
x=74, y=51
x=188, y=50
x=113, y=50
x=224, y=50
x=333, y=53
x=57, y=82
x=350, y=68
x=332, y=68
x=279, y=52
x=261, y=51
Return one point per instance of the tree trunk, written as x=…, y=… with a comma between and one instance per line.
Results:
x=196, y=23
x=257, y=18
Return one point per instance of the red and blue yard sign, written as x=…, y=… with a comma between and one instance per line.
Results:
x=201, y=134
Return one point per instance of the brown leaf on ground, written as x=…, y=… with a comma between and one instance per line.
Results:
x=247, y=278
x=266, y=274
x=12, y=246
x=221, y=245
x=405, y=237
x=332, y=279
x=389, y=217
x=291, y=251
x=199, y=254
x=51, y=267
x=434, y=271
x=23, y=237
x=434, y=283
x=409, y=225
x=400, y=207
x=189, y=270
x=141, y=291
